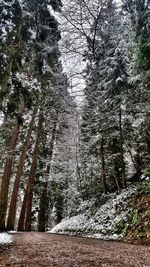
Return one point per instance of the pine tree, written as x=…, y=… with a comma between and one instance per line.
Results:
x=107, y=79
x=47, y=69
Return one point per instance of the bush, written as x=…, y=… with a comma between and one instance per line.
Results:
x=121, y=227
x=134, y=217
x=144, y=187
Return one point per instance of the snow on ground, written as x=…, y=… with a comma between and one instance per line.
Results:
x=99, y=222
x=5, y=238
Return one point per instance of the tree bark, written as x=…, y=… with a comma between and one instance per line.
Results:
x=43, y=206
x=103, y=174
x=8, y=170
x=121, y=149
x=25, y=214
x=116, y=162
x=138, y=163
x=44, y=200
x=13, y=202
x=78, y=171
x=5, y=78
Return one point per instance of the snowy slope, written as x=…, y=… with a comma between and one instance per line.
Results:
x=102, y=222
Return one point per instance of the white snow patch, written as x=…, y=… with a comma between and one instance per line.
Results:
x=99, y=223
x=5, y=238
x=12, y=232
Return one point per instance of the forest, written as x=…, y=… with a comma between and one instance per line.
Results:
x=74, y=107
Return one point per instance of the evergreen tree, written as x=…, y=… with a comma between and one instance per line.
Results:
x=105, y=92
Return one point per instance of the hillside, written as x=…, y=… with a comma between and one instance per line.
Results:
x=138, y=229
x=118, y=216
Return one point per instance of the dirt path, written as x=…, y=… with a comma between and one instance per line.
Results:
x=42, y=249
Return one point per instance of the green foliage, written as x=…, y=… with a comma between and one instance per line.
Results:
x=121, y=227
x=139, y=216
x=133, y=217
x=144, y=187
x=147, y=171
x=143, y=53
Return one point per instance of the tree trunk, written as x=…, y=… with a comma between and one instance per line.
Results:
x=138, y=163
x=117, y=179
x=121, y=149
x=25, y=214
x=44, y=199
x=78, y=171
x=103, y=174
x=28, y=217
x=5, y=78
x=116, y=162
x=13, y=202
x=43, y=206
x=8, y=169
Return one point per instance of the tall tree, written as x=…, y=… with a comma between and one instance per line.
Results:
x=43, y=205
x=13, y=202
x=47, y=69
x=25, y=214
x=8, y=168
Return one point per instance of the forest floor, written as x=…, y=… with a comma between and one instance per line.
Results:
x=43, y=249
